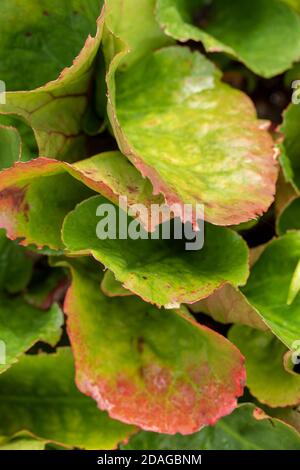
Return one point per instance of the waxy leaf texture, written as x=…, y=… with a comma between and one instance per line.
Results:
x=202, y=154
x=163, y=363
x=149, y=225
x=72, y=420
x=161, y=272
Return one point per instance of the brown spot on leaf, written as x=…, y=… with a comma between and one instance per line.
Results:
x=15, y=197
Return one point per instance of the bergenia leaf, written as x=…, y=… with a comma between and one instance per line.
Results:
x=288, y=218
x=290, y=415
x=166, y=388
x=15, y=266
x=34, y=199
x=160, y=271
x=111, y=287
x=267, y=378
x=293, y=3
x=71, y=418
x=21, y=441
x=202, y=153
x=28, y=146
x=246, y=30
x=10, y=146
x=129, y=35
x=22, y=325
x=23, y=197
x=268, y=287
x=290, y=147
x=229, y=305
x=55, y=110
x=242, y=430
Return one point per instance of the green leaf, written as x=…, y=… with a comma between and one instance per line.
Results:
x=22, y=325
x=55, y=110
x=160, y=271
x=229, y=305
x=22, y=441
x=269, y=285
x=267, y=378
x=24, y=195
x=45, y=401
x=35, y=198
x=288, y=218
x=249, y=30
x=290, y=147
x=131, y=26
x=10, y=146
x=290, y=415
x=111, y=287
x=242, y=430
x=228, y=167
x=15, y=265
x=36, y=38
x=27, y=147
x=126, y=360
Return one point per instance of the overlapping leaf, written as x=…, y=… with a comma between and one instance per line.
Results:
x=21, y=441
x=289, y=218
x=248, y=30
x=22, y=325
x=291, y=146
x=36, y=196
x=55, y=110
x=290, y=415
x=228, y=305
x=267, y=378
x=46, y=382
x=126, y=360
x=15, y=266
x=160, y=271
x=10, y=148
x=111, y=287
x=202, y=154
x=141, y=37
x=273, y=286
x=242, y=430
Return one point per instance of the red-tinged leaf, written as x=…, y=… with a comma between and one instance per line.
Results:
x=158, y=369
x=210, y=148
x=35, y=196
